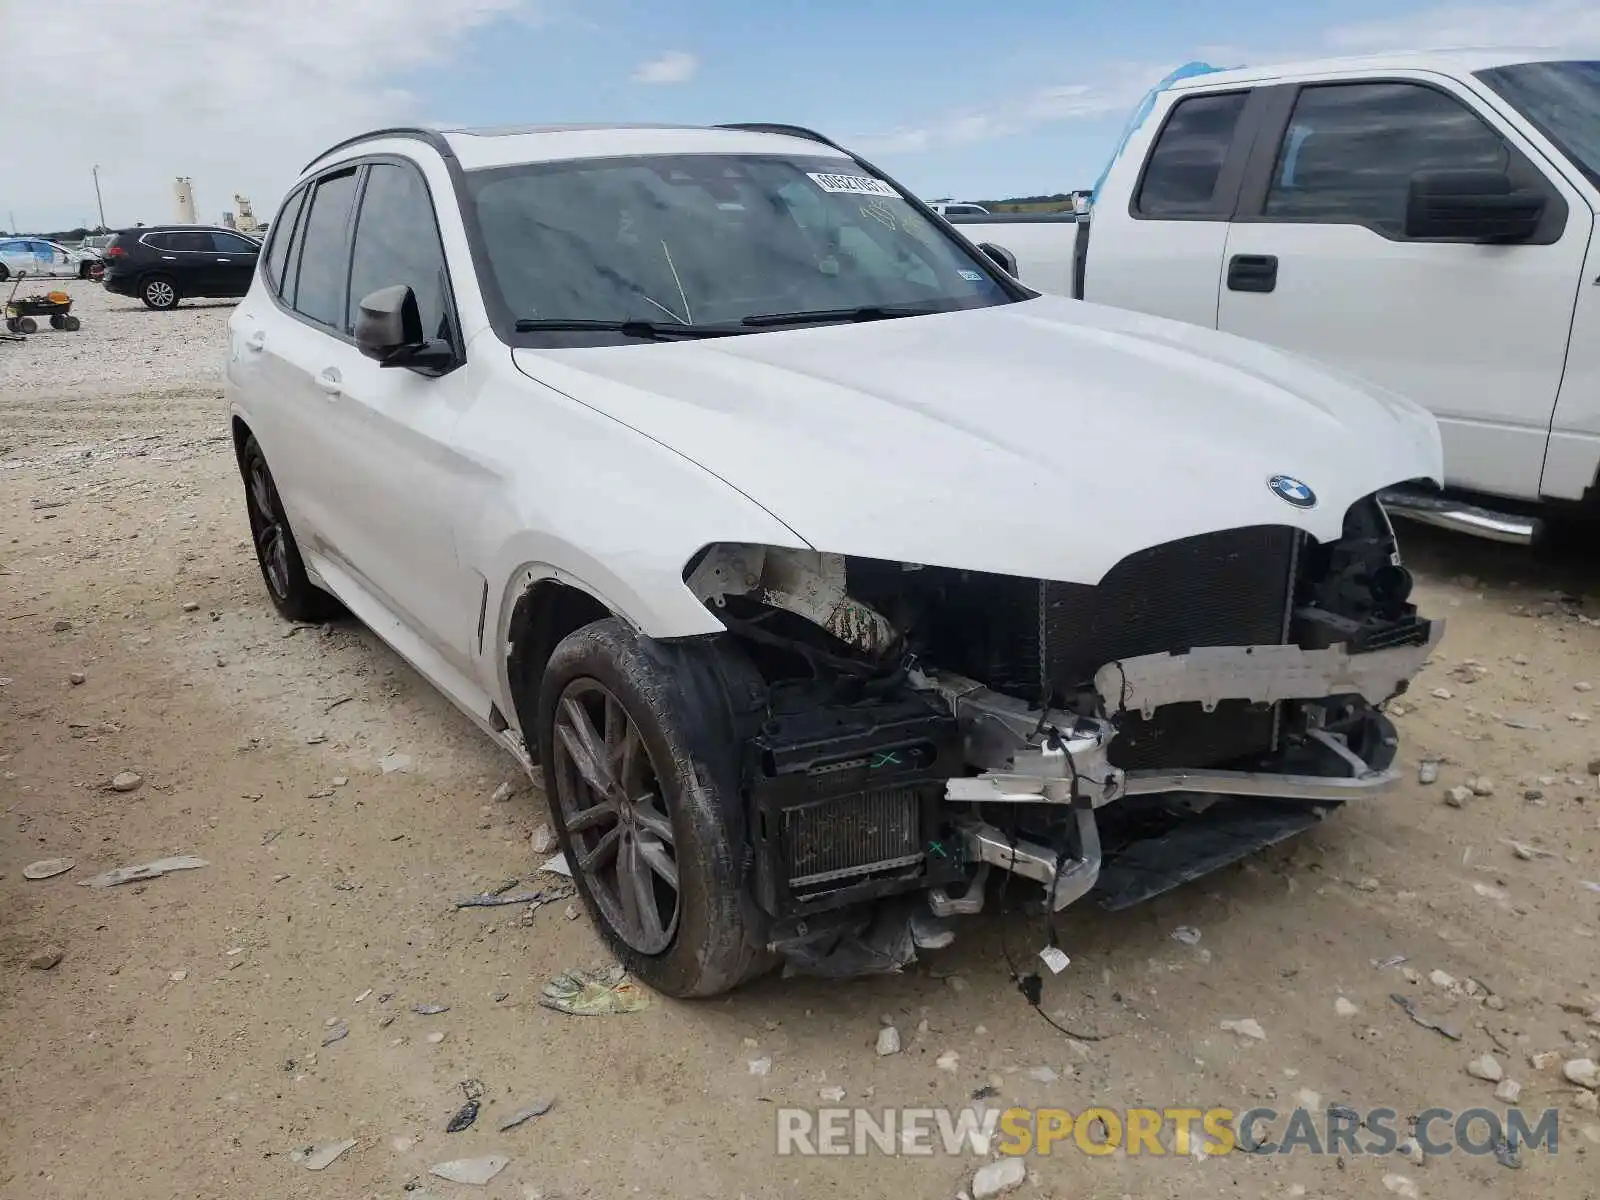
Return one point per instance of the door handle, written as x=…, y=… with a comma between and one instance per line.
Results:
x=256, y=341
x=1253, y=273
x=224, y=260
x=328, y=379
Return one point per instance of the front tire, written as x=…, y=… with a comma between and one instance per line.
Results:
x=294, y=595
x=640, y=819
x=159, y=292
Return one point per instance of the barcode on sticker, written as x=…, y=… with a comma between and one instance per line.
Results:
x=1055, y=959
x=855, y=185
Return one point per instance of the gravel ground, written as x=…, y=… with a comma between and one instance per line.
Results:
x=177, y=1048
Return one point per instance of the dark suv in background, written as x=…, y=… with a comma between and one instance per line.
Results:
x=163, y=264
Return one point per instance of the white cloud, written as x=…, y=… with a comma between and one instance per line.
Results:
x=1114, y=90
x=675, y=66
x=236, y=96
x=1557, y=24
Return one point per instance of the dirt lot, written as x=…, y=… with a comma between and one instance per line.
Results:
x=177, y=1047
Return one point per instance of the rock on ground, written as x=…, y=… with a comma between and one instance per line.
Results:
x=997, y=1178
x=46, y=957
x=1486, y=1068
x=1582, y=1071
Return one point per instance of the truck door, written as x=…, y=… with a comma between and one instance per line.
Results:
x=1160, y=252
x=1319, y=261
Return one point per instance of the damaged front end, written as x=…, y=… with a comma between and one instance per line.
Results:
x=925, y=726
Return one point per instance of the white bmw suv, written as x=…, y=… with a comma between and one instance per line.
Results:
x=817, y=566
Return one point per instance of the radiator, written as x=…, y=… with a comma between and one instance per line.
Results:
x=842, y=837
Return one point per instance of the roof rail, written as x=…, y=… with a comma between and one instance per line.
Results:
x=431, y=136
x=799, y=131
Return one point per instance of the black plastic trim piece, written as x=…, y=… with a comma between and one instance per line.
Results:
x=1080, y=256
x=1191, y=847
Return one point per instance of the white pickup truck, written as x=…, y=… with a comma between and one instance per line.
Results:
x=1426, y=221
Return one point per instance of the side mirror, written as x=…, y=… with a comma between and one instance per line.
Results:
x=1002, y=258
x=389, y=331
x=1471, y=206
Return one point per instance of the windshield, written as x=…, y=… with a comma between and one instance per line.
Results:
x=1561, y=100
x=709, y=240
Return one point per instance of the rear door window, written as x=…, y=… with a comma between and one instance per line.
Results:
x=280, y=238
x=232, y=243
x=1180, y=176
x=324, y=251
x=188, y=241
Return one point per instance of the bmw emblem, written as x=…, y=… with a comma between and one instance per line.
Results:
x=1292, y=491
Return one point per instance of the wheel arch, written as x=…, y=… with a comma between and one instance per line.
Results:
x=557, y=588
x=242, y=433
x=546, y=610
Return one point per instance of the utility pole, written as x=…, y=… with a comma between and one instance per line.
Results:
x=13, y=215
x=97, y=198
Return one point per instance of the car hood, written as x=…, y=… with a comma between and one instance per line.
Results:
x=1048, y=438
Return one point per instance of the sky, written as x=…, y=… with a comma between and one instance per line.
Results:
x=953, y=98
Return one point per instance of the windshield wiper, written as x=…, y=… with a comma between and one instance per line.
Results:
x=866, y=312
x=655, y=331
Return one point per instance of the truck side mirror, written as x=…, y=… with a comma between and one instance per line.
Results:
x=1471, y=206
x=1002, y=257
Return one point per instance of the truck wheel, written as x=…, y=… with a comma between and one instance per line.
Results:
x=294, y=596
x=159, y=292
x=641, y=822
x=5, y=272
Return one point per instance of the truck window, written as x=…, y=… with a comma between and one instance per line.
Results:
x=1561, y=99
x=1350, y=150
x=1180, y=177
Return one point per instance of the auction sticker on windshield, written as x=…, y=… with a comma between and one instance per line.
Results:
x=855, y=185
